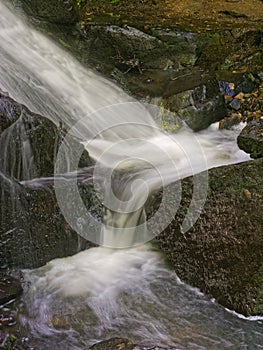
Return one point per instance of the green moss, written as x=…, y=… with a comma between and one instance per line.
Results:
x=168, y=119
x=9, y=345
x=168, y=127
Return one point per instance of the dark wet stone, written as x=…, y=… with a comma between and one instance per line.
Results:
x=229, y=122
x=10, y=288
x=246, y=86
x=250, y=139
x=10, y=111
x=33, y=231
x=235, y=104
x=222, y=254
x=54, y=11
x=199, y=107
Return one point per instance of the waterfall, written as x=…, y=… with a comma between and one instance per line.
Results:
x=73, y=302
x=133, y=156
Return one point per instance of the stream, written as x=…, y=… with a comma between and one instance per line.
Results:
x=104, y=292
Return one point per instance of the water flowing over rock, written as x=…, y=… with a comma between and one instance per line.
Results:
x=124, y=344
x=223, y=253
x=250, y=139
x=33, y=231
x=29, y=142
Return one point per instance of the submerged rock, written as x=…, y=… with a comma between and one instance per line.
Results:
x=222, y=254
x=250, y=139
x=125, y=344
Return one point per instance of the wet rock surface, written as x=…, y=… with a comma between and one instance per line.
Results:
x=198, y=107
x=125, y=344
x=250, y=139
x=222, y=254
x=54, y=11
x=33, y=230
x=29, y=142
x=10, y=288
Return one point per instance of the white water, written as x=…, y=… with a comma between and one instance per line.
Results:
x=103, y=293
x=100, y=293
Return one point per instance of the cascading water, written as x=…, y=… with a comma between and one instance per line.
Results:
x=102, y=292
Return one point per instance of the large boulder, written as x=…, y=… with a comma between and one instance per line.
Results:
x=222, y=254
x=54, y=11
x=250, y=139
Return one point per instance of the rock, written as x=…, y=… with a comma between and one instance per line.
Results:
x=125, y=48
x=124, y=344
x=10, y=111
x=240, y=96
x=224, y=51
x=250, y=139
x=199, y=107
x=54, y=11
x=33, y=231
x=10, y=288
x=246, y=86
x=227, y=88
x=229, y=122
x=235, y=104
x=29, y=142
x=222, y=254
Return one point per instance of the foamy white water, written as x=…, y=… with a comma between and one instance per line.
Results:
x=103, y=293
x=37, y=72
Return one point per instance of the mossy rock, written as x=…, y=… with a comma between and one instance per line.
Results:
x=54, y=11
x=250, y=139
